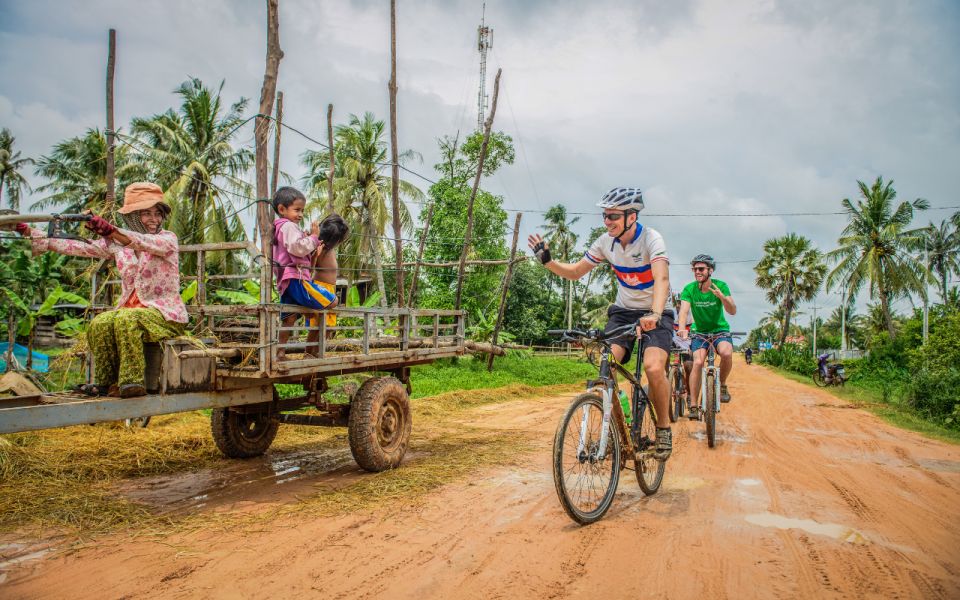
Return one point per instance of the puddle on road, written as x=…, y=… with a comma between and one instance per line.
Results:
x=183, y=491
x=748, y=482
x=936, y=464
x=722, y=437
x=838, y=532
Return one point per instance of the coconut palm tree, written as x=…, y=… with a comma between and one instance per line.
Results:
x=875, y=247
x=562, y=240
x=791, y=270
x=11, y=179
x=942, y=245
x=190, y=154
x=77, y=174
x=361, y=189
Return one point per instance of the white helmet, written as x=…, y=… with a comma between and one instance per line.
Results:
x=623, y=198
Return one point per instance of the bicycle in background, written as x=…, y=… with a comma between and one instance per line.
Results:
x=709, y=395
x=594, y=440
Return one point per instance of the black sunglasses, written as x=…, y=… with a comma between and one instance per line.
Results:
x=612, y=216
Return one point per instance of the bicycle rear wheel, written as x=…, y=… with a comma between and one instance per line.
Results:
x=586, y=480
x=710, y=415
x=649, y=470
x=818, y=379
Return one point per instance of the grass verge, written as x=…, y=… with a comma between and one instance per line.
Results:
x=894, y=413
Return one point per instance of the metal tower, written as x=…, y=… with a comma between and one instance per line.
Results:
x=484, y=43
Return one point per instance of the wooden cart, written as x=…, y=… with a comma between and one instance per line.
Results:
x=232, y=367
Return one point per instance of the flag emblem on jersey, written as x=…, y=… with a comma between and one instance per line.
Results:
x=635, y=278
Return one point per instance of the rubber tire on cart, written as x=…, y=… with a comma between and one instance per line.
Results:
x=243, y=435
x=380, y=423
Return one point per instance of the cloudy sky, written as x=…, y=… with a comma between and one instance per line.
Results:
x=746, y=107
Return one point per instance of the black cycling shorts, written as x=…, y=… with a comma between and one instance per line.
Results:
x=660, y=337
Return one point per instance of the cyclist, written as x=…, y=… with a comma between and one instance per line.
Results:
x=638, y=257
x=707, y=299
x=681, y=345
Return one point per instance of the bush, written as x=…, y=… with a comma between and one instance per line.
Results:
x=935, y=383
x=792, y=357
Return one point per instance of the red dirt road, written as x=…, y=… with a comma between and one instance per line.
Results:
x=803, y=497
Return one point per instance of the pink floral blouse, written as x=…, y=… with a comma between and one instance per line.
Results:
x=150, y=265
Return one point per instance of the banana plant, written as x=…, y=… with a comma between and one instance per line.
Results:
x=27, y=323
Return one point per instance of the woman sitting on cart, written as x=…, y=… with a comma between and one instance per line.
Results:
x=150, y=307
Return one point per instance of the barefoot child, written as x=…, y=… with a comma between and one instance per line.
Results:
x=295, y=253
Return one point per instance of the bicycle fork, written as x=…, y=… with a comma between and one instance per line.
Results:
x=716, y=389
x=605, y=426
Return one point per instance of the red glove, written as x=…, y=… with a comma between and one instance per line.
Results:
x=100, y=226
x=22, y=228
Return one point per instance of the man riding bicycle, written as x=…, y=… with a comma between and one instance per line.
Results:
x=707, y=299
x=638, y=257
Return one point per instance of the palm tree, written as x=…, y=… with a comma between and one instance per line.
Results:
x=875, y=247
x=791, y=270
x=562, y=240
x=361, y=191
x=11, y=179
x=942, y=245
x=190, y=155
x=77, y=174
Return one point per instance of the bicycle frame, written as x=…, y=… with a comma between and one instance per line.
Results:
x=708, y=368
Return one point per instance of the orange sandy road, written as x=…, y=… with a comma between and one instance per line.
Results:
x=802, y=498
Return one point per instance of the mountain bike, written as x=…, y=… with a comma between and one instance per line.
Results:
x=678, y=384
x=709, y=404
x=593, y=440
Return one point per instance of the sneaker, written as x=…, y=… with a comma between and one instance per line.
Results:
x=724, y=394
x=664, y=444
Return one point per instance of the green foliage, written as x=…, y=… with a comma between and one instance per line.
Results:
x=791, y=270
x=936, y=372
x=470, y=373
x=353, y=299
x=792, y=357
x=481, y=330
x=251, y=295
x=12, y=180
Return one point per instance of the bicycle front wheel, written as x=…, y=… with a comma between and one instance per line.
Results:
x=586, y=478
x=711, y=413
x=676, y=393
x=649, y=469
x=819, y=380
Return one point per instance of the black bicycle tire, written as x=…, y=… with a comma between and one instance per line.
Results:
x=584, y=517
x=643, y=467
x=819, y=380
x=674, y=382
x=711, y=411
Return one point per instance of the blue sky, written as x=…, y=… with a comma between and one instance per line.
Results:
x=711, y=107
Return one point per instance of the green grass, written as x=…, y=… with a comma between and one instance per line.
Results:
x=893, y=412
x=470, y=373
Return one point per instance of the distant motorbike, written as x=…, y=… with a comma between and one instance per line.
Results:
x=828, y=373
x=748, y=356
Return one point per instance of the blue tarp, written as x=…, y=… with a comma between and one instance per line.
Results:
x=41, y=362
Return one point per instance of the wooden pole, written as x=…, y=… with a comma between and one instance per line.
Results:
x=394, y=152
x=411, y=301
x=278, y=122
x=476, y=184
x=262, y=130
x=330, y=143
x=506, y=288
x=111, y=136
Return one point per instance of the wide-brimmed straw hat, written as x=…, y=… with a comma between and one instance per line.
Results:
x=141, y=196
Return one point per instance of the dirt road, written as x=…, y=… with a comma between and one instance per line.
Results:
x=803, y=497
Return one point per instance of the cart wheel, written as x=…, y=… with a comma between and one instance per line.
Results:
x=380, y=424
x=242, y=435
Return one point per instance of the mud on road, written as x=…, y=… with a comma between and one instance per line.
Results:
x=804, y=496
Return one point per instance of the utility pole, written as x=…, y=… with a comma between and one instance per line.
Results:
x=111, y=134
x=484, y=43
x=926, y=290
x=843, y=322
x=815, y=308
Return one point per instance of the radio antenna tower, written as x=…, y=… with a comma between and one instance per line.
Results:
x=484, y=43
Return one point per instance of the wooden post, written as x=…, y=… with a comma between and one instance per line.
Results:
x=111, y=169
x=394, y=152
x=278, y=122
x=11, y=334
x=473, y=194
x=262, y=129
x=330, y=143
x=412, y=300
x=506, y=288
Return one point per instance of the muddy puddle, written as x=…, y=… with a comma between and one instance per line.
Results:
x=269, y=478
x=838, y=532
x=720, y=437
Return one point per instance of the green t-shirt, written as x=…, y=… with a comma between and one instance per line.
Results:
x=707, y=310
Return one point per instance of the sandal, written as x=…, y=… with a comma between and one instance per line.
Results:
x=132, y=390
x=93, y=389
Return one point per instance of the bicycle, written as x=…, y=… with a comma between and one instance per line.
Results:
x=678, y=383
x=709, y=386
x=593, y=443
